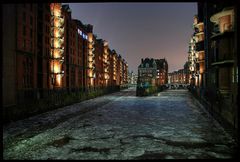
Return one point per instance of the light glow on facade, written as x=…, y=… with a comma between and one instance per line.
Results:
x=91, y=57
x=114, y=65
x=106, y=62
x=224, y=19
x=196, y=53
x=57, y=40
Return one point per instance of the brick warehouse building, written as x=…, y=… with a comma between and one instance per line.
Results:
x=218, y=87
x=162, y=71
x=99, y=63
x=48, y=56
x=179, y=77
x=152, y=76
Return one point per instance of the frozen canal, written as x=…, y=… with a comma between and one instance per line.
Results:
x=170, y=125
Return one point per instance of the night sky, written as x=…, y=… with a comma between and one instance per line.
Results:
x=140, y=30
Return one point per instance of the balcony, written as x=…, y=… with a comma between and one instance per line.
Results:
x=223, y=52
x=200, y=56
x=56, y=66
x=200, y=46
x=223, y=62
x=57, y=21
x=90, y=46
x=199, y=37
x=57, y=42
x=224, y=22
x=218, y=35
x=199, y=27
x=91, y=62
x=106, y=71
x=201, y=67
x=195, y=20
x=105, y=64
x=91, y=42
x=57, y=53
x=57, y=32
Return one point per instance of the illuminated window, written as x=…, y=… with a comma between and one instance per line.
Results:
x=84, y=36
x=80, y=32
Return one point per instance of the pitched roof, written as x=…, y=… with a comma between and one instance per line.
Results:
x=149, y=61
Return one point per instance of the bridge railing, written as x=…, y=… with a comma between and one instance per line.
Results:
x=177, y=86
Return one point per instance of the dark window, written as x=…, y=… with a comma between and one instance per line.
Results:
x=46, y=52
x=47, y=7
x=30, y=73
x=31, y=33
x=24, y=30
x=31, y=46
x=24, y=43
x=31, y=20
x=24, y=68
x=23, y=81
x=24, y=17
x=47, y=18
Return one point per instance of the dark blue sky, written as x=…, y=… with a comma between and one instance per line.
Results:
x=139, y=30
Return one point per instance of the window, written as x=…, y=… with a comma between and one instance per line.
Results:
x=24, y=67
x=237, y=75
x=30, y=73
x=46, y=51
x=31, y=20
x=31, y=33
x=147, y=65
x=24, y=17
x=24, y=30
x=23, y=81
x=24, y=43
x=233, y=75
x=31, y=46
x=47, y=18
x=46, y=28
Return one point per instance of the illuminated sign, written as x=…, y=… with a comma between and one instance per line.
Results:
x=84, y=36
x=79, y=32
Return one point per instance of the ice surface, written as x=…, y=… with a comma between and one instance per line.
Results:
x=120, y=126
